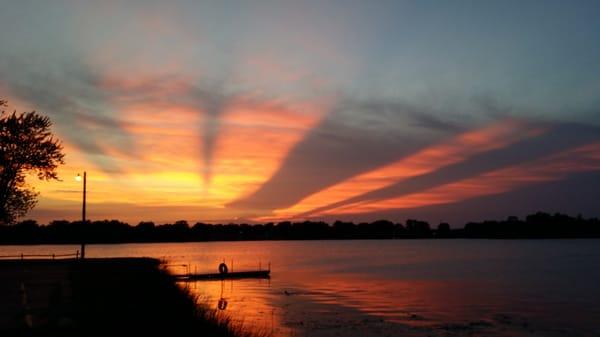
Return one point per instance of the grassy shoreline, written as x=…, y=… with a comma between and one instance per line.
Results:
x=103, y=297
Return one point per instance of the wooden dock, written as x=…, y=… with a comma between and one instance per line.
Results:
x=260, y=274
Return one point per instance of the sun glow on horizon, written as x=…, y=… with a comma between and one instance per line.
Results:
x=262, y=111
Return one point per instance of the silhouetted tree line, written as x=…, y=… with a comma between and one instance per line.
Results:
x=539, y=225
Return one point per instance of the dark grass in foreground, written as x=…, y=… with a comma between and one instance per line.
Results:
x=129, y=297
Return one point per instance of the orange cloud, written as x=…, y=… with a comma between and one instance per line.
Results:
x=254, y=138
x=494, y=136
x=551, y=168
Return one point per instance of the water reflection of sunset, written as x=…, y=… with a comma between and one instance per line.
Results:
x=245, y=302
x=391, y=287
x=407, y=302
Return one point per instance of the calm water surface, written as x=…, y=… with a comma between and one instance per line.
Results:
x=392, y=287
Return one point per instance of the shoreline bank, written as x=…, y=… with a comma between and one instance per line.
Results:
x=99, y=297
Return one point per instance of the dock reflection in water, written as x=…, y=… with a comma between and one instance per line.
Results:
x=247, y=302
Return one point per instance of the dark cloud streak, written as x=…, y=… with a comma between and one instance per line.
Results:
x=355, y=137
x=574, y=195
x=72, y=96
x=559, y=138
x=214, y=102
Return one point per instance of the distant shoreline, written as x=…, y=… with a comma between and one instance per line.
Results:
x=535, y=226
x=291, y=240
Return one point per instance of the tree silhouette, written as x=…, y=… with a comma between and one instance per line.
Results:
x=26, y=146
x=443, y=230
x=539, y=225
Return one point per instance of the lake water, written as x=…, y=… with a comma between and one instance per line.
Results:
x=392, y=287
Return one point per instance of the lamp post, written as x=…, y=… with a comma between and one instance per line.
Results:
x=78, y=178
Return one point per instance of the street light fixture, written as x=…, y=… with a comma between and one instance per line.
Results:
x=78, y=178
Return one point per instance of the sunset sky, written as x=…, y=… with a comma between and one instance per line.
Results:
x=268, y=110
